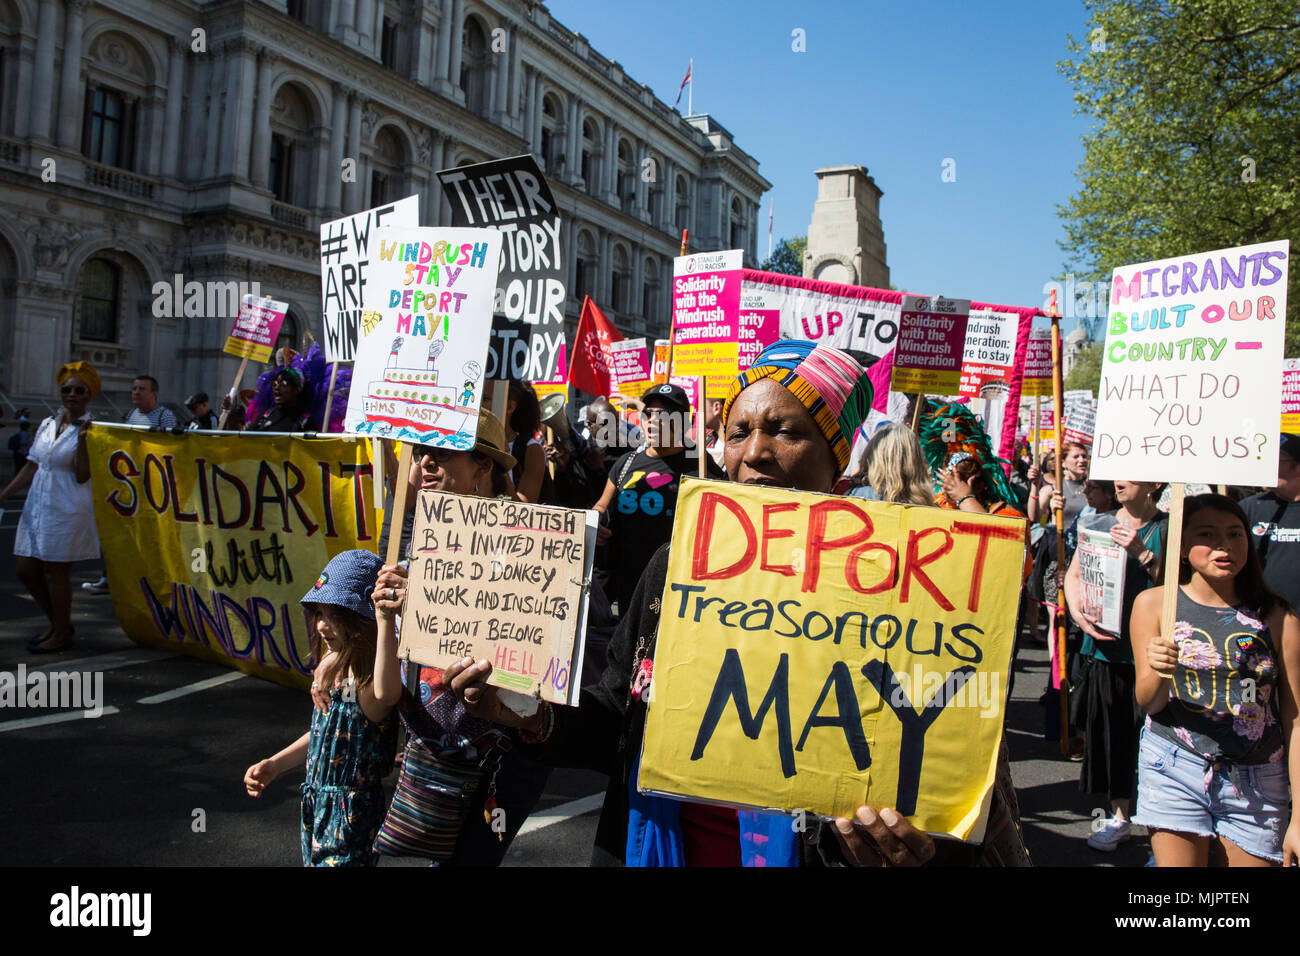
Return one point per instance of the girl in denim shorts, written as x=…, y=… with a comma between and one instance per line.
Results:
x=1220, y=697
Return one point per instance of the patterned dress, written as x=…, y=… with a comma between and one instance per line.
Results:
x=348, y=757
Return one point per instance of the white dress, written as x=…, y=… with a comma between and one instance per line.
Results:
x=58, y=522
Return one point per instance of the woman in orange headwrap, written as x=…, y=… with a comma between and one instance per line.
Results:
x=58, y=522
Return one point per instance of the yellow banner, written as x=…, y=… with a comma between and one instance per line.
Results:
x=871, y=670
x=211, y=540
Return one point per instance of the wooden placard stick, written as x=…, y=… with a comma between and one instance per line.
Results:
x=701, y=402
x=1038, y=417
x=1173, y=560
x=398, y=519
x=1058, y=514
x=500, y=395
x=234, y=393
x=916, y=414
x=329, y=397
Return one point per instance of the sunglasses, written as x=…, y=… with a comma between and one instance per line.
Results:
x=74, y=390
x=439, y=456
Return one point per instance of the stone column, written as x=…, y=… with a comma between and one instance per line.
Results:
x=457, y=46
x=197, y=118
x=420, y=70
x=571, y=250
x=222, y=63
x=539, y=96
x=579, y=113
x=262, y=120
x=23, y=102
x=516, y=76
x=354, y=190
x=43, y=104
x=338, y=130
x=345, y=22
x=70, y=89
x=321, y=144
x=366, y=42
x=433, y=214
x=530, y=87
x=444, y=47
x=501, y=70
x=603, y=287
x=611, y=163
x=172, y=119
x=242, y=103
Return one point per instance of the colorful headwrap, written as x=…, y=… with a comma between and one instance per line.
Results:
x=829, y=383
x=950, y=434
x=82, y=370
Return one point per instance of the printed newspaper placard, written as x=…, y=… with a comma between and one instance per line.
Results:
x=819, y=653
x=1192, y=368
x=1101, y=574
x=345, y=250
x=502, y=581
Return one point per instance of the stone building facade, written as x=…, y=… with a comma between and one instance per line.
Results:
x=145, y=139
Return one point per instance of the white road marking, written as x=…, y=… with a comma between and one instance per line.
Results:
x=562, y=812
x=192, y=688
x=105, y=662
x=26, y=722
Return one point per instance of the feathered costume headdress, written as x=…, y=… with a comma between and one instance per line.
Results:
x=948, y=429
x=315, y=373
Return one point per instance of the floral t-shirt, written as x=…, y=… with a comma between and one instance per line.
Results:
x=1223, y=702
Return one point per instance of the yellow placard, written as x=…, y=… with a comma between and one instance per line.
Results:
x=1035, y=387
x=705, y=358
x=1291, y=422
x=211, y=541
x=716, y=386
x=820, y=653
x=922, y=381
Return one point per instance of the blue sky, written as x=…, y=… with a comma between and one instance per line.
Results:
x=896, y=87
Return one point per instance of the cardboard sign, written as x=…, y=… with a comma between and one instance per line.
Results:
x=1192, y=369
x=1038, y=365
x=630, y=367
x=1291, y=396
x=989, y=359
x=345, y=250
x=706, y=313
x=512, y=196
x=210, y=541
x=819, y=653
x=256, y=328
x=931, y=343
x=1101, y=574
x=419, y=373
x=502, y=581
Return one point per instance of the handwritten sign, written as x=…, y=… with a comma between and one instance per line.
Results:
x=256, y=328
x=1101, y=572
x=502, y=581
x=1291, y=396
x=345, y=246
x=512, y=196
x=989, y=359
x=1038, y=365
x=419, y=373
x=931, y=343
x=1192, y=368
x=819, y=653
x=706, y=307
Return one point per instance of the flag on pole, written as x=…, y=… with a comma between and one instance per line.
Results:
x=589, y=366
x=686, y=79
x=771, y=211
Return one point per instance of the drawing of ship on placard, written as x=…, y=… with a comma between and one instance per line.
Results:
x=408, y=403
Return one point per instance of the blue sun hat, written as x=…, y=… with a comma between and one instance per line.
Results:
x=347, y=582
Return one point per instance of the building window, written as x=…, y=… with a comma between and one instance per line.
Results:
x=550, y=144
x=98, y=289
x=388, y=44
x=297, y=9
x=281, y=169
x=381, y=186
x=288, y=336
x=106, y=127
x=475, y=63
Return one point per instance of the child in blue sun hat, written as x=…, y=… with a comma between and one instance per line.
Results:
x=350, y=747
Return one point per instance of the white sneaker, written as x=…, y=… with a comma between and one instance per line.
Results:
x=1111, y=835
x=98, y=587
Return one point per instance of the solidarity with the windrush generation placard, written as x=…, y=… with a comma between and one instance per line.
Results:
x=821, y=653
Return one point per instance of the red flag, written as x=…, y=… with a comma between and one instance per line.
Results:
x=591, y=361
x=685, y=79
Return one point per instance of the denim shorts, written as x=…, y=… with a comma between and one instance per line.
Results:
x=1248, y=804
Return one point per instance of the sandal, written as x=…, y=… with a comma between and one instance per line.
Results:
x=39, y=639
x=65, y=646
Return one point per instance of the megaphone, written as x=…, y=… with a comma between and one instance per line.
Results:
x=552, y=407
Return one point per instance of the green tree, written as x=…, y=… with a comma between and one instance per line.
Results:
x=1086, y=371
x=787, y=257
x=1195, y=126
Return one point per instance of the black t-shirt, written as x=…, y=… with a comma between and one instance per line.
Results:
x=641, y=514
x=1275, y=529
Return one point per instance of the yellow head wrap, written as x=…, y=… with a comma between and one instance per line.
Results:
x=82, y=370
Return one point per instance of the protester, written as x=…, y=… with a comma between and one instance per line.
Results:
x=20, y=442
x=608, y=432
x=1220, y=697
x=772, y=438
x=1274, y=520
x=289, y=410
x=893, y=468
x=351, y=745
x=580, y=471
x=147, y=412
x=1102, y=705
x=57, y=525
x=713, y=443
x=641, y=492
x=522, y=422
x=471, y=760
x=202, y=412
x=967, y=486
x=1074, y=462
